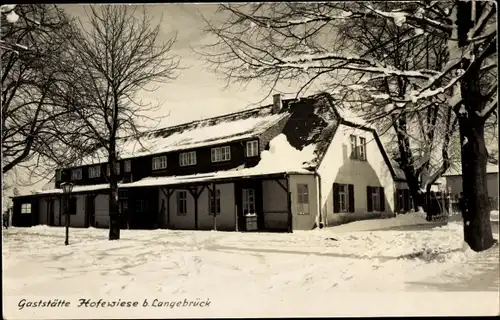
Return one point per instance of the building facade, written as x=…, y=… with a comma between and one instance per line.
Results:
x=293, y=165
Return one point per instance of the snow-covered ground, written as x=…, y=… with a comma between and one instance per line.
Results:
x=361, y=268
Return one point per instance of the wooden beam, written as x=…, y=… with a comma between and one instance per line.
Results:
x=281, y=185
x=168, y=194
x=289, y=206
x=215, y=206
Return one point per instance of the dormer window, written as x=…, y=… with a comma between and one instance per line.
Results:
x=252, y=148
x=76, y=174
x=187, y=158
x=127, y=166
x=108, y=169
x=95, y=172
x=159, y=163
x=221, y=154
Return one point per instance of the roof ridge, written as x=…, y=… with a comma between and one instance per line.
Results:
x=202, y=120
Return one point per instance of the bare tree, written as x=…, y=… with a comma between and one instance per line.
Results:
x=272, y=42
x=32, y=45
x=115, y=58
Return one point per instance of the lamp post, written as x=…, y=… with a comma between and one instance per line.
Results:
x=67, y=188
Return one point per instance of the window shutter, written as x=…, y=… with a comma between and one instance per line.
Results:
x=382, y=199
x=351, y=197
x=350, y=192
x=336, y=200
x=369, y=199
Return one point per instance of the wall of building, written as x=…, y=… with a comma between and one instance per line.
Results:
x=101, y=210
x=337, y=167
x=42, y=212
x=78, y=219
x=275, y=207
x=454, y=184
x=304, y=221
x=224, y=221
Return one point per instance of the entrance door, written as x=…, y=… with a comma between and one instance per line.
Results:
x=249, y=209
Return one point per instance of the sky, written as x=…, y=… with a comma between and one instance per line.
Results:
x=196, y=93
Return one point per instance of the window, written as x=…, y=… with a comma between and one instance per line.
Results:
x=127, y=166
x=140, y=205
x=215, y=205
x=58, y=175
x=221, y=154
x=343, y=198
x=26, y=208
x=375, y=199
x=354, y=147
x=362, y=148
x=252, y=148
x=159, y=163
x=249, y=202
x=303, y=198
x=94, y=172
x=117, y=166
x=181, y=203
x=187, y=158
x=76, y=174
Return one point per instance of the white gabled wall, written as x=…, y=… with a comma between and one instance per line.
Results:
x=337, y=167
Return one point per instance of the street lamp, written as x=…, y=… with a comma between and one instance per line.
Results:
x=67, y=188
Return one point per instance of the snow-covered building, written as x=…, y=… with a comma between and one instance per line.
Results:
x=292, y=165
x=453, y=180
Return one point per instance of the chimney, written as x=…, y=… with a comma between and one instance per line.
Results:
x=277, y=103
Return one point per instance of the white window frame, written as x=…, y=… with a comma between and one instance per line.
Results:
x=26, y=208
x=220, y=154
x=108, y=171
x=249, y=202
x=354, y=146
x=94, y=172
x=362, y=148
x=181, y=197
x=302, y=198
x=343, y=198
x=127, y=166
x=76, y=174
x=376, y=199
x=159, y=162
x=252, y=148
x=217, y=205
x=187, y=158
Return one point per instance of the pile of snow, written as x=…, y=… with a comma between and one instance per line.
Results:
x=10, y=14
x=283, y=156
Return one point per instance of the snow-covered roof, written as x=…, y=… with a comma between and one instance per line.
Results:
x=281, y=158
x=457, y=170
x=223, y=129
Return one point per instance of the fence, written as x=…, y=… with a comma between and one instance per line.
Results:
x=447, y=204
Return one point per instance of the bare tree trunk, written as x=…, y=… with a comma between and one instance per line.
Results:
x=114, y=215
x=476, y=212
